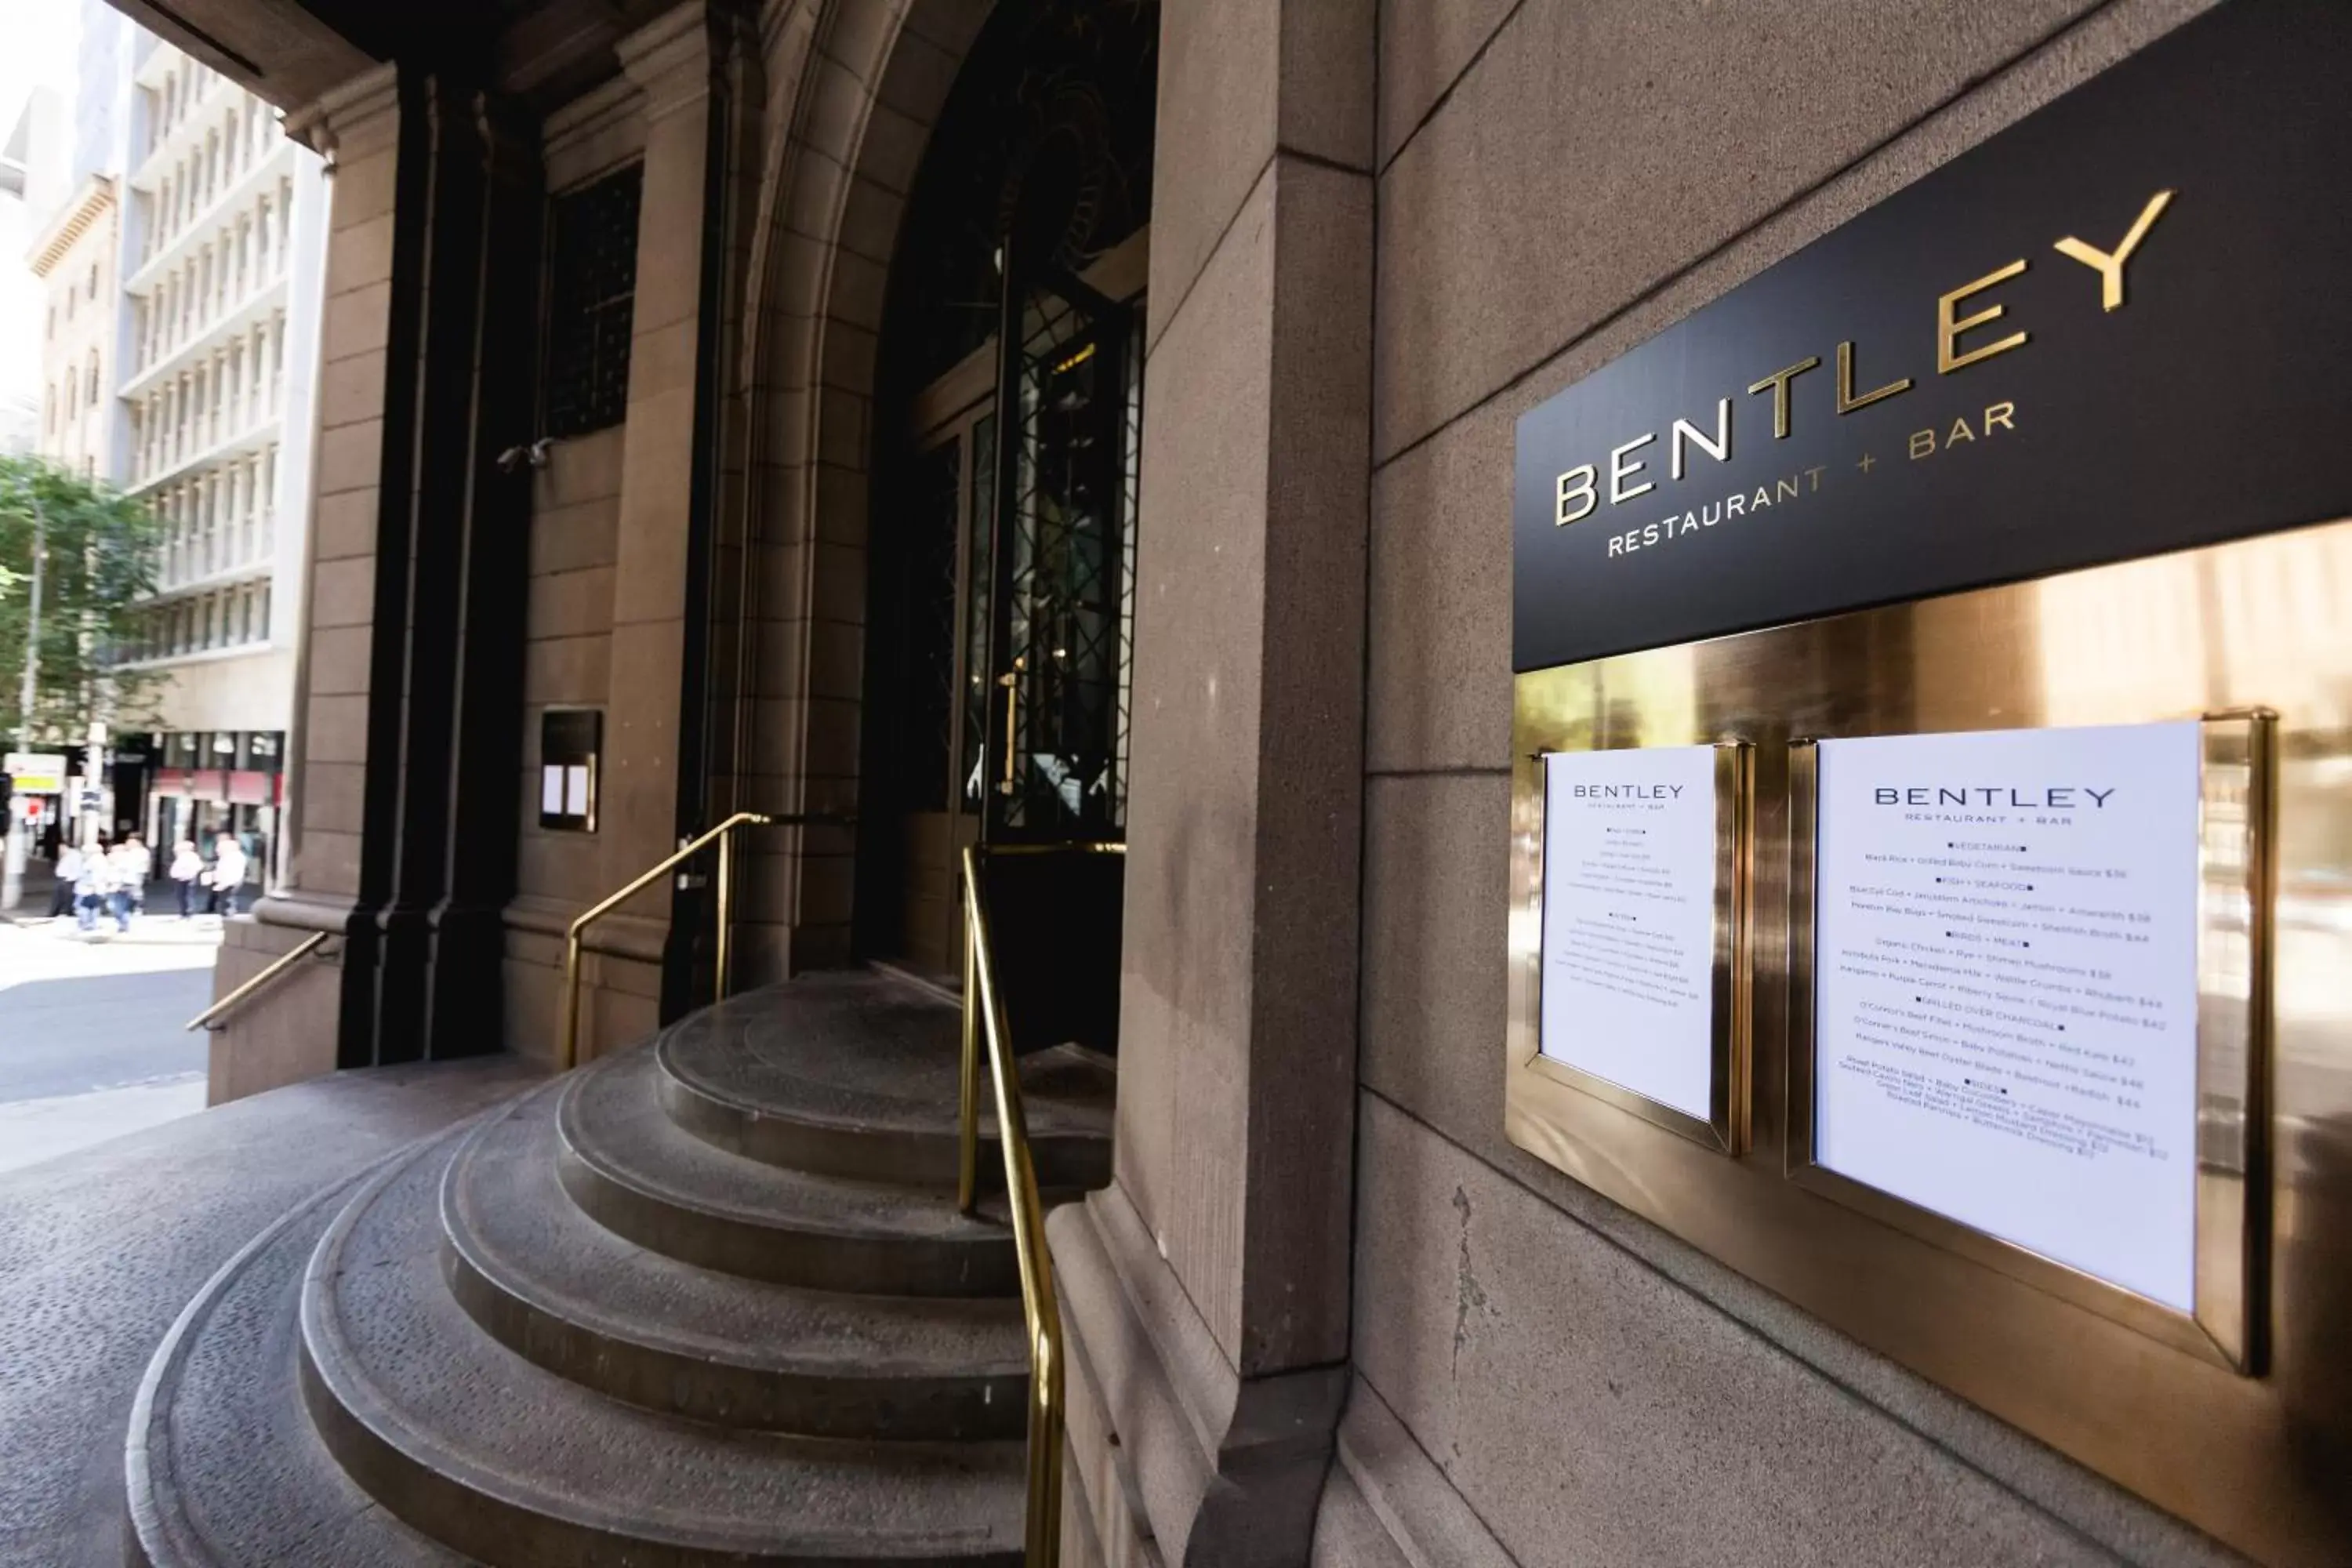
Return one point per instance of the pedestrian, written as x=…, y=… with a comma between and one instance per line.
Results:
x=68, y=872
x=126, y=877
x=142, y=870
x=187, y=869
x=91, y=886
x=228, y=872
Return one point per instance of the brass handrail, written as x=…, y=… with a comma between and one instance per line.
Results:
x=278, y=966
x=968, y=1150
x=983, y=1013
x=724, y=833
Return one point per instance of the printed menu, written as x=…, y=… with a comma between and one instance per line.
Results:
x=1629, y=920
x=2005, y=986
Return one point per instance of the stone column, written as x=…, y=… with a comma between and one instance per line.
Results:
x=411, y=595
x=490, y=522
x=1207, y=1290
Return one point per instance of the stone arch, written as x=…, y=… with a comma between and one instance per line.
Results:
x=856, y=86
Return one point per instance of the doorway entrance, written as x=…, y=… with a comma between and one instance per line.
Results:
x=1013, y=604
x=999, y=631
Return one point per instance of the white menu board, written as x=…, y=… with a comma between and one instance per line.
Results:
x=2005, y=987
x=1629, y=920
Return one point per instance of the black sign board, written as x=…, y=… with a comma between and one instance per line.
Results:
x=2118, y=328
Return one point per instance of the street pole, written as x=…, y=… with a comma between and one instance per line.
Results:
x=12, y=885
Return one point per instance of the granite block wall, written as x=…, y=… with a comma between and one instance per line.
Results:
x=1541, y=1377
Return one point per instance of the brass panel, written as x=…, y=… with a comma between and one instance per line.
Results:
x=2255, y=632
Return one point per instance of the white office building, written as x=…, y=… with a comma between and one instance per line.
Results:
x=223, y=221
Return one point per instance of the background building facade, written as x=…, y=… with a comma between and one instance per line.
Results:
x=179, y=315
x=220, y=308
x=75, y=260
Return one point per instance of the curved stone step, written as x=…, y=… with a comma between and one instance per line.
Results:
x=858, y=1074
x=224, y=1469
x=498, y=1458
x=556, y=1287
x=641, y=1176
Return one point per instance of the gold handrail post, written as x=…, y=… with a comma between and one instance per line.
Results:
x=572, y=998
x=968, y=1139
x=724, y=945
x=1044, y=1534
x=685, y=852
x=1044, y=1523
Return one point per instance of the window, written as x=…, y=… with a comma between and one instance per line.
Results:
x=592, y=240
x=91, y=395
x=93, y=280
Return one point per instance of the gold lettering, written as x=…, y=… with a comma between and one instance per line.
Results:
x=1949, y=327
x=2109, y=265
x=1719, y=448
x=1784, y=489
x=1960, y=432
x=1582, y=488
x=2000, y=414
x=1846, y=400
x=1814, y=474
x=1922, y=444
x=1778, y=381
x=1620, y=470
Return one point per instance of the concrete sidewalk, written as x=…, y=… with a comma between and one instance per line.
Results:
x=94, y=1043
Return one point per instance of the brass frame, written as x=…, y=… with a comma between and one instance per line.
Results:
x=2232, y=1067
x=277, y=966
x=2253, y=627
x=595, y=764
x=1726, y=1127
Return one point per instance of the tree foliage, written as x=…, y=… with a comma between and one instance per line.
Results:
x=101, y=562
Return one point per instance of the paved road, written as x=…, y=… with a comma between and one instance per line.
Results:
x=91, y=1044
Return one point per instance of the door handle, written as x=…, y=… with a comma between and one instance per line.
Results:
x=1011, y=681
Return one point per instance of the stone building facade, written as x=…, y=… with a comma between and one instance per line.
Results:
x=74, y=258
x=1326, y=1311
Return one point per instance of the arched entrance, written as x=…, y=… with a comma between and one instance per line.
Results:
x=1002, y=522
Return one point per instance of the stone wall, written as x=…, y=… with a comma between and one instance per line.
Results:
x=575, y=519
x=1541, y=1377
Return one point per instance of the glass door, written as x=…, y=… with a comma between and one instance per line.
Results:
x=1061, y=601
x=1003, y=624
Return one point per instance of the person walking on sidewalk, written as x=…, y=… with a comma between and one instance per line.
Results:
x=143, y=859
x=126, y=874
x=68, y=872
x=228, y=873
x=91, y=886
x=188, y=867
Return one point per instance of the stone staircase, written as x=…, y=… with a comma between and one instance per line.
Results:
x=706, y=1301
